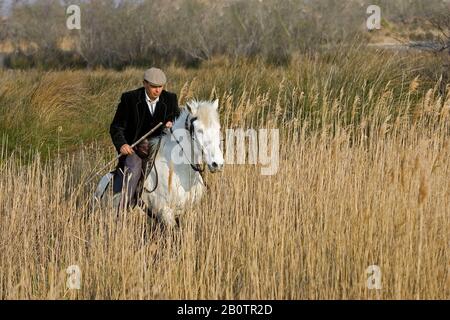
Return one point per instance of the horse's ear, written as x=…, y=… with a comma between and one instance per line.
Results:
x=216, y=104
x=189, y=107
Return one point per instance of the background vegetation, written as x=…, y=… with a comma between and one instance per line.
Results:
x=364, y=177
x=120, y=33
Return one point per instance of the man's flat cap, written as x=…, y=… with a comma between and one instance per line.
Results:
x=155, y=77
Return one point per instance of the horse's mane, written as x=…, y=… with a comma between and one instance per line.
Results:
x=178, y=123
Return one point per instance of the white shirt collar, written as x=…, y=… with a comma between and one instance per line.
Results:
x=150, y=101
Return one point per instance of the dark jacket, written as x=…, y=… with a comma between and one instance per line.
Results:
x=133, y=118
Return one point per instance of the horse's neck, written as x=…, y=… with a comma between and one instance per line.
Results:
x=180, y=122
x=184, y=171
x=170, y=141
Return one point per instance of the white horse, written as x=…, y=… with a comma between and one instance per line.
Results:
x=175, y=181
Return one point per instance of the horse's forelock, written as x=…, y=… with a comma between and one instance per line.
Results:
x=204, y=111
x=207, y=114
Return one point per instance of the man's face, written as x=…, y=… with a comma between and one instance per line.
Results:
x=153, y=92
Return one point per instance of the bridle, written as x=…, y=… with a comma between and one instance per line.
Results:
x=189, y=126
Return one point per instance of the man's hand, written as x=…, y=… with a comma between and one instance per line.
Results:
x=169, y=124
x=126, y=149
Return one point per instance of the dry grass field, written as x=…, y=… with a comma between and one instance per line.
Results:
x=363, y=179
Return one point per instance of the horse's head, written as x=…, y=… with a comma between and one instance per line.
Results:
x=205, y=129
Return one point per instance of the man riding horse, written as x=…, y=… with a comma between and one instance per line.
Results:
x=138, y=112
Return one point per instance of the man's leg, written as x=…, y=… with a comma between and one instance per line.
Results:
x=117, y=188
x=132, y=172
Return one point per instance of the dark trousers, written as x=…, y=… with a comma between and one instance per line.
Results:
x=127, y=181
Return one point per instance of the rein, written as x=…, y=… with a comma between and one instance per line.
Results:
x=196, y=167
x=151, y=167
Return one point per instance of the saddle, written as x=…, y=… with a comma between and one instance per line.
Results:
x=143, y=149
x=145, y=152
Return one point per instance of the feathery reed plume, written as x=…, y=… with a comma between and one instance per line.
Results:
x=414, y=85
